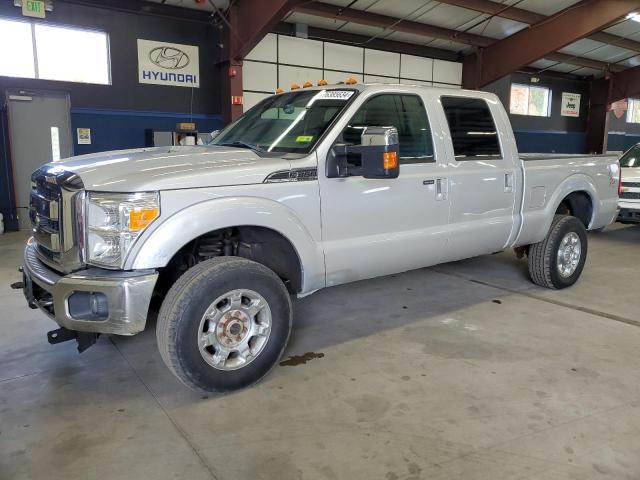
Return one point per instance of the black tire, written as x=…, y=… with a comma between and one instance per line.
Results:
x=543, y=256
x=185, y=304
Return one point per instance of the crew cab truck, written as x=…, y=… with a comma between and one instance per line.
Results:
x=308, y=189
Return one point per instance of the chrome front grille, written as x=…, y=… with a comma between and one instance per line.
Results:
x=56, y=211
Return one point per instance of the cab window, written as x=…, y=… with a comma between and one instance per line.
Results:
x=473, y=131
x=631, y=158
x=406, y=113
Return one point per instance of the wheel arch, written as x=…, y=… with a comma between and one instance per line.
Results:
x=578, y=192
x=248, y=213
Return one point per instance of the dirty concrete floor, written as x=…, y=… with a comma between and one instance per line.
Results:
x=462, y=371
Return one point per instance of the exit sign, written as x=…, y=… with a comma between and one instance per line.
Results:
x=33, y=8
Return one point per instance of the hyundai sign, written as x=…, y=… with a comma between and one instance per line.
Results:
x=162, y=63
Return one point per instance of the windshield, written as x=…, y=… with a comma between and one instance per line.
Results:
x=290, y=122
x=631, y=158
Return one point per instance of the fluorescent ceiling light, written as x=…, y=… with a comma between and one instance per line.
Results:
x=635, y=16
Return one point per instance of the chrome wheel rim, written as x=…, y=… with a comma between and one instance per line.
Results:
x=234, y=329
x=569, y=253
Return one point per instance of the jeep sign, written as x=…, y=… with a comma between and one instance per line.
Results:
x=162, y=63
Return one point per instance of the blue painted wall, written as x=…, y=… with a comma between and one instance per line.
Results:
x=621, y=141
x=119, y=129
x=550, y=141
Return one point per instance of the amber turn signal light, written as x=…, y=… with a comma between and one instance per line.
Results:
x=389, y=160
x=139, y=219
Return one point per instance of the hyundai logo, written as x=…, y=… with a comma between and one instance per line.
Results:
x=169, y=57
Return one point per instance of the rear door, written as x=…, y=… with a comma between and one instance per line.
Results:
x=482, y=177
x=373, y=227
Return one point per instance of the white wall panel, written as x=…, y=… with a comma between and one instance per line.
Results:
x=300, y=51
x=342, y=57
x=447, y=72
x=259, y=76
x=377, y=62
x=419, y=68
x=377, y=79
x=266, y=50
x=250, y=99
x=299, y=75
x=336, y=77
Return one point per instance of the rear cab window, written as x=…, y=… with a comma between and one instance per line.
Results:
x=631, y=159
x=473, y=130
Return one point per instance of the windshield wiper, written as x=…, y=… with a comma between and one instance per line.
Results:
x=239, y=144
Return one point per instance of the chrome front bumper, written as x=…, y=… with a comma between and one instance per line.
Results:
x=128, y=295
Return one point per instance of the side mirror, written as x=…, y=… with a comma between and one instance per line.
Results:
x=375, y=157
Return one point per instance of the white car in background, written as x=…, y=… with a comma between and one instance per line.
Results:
x=629, y=202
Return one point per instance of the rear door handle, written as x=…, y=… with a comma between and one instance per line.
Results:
x=508, y=182
x=442, y=188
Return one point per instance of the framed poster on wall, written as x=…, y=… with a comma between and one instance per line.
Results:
x=570, y=105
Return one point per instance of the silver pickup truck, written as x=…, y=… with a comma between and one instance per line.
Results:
x=309, y=189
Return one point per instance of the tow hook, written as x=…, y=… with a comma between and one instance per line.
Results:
x=84, y=339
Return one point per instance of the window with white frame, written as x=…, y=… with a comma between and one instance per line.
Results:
x=530, y=100
x=36, y=50
x=633, y=110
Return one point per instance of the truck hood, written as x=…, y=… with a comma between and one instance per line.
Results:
x=167, y=168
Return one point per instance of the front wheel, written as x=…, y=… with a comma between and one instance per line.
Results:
x=558, y=260
x=224, y=324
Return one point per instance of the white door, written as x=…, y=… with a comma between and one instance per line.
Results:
x=482, y=180
x=373, y=227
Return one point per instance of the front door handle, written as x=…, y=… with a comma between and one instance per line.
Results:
x=508, y=182
x=442, y=188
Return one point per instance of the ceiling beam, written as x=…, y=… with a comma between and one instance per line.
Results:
x=531, y=44
x=582, y=62
x=526, y=16
x=417, y=28
x=361, y=17
x=251, y=20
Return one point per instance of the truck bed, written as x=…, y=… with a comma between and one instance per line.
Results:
x=549, y=178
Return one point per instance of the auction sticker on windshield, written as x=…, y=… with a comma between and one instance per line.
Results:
x=336, y=94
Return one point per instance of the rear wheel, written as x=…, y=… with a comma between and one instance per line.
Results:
x=558, y=260
x=224, y=324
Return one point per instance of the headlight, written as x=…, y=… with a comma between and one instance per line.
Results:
x=114, y=221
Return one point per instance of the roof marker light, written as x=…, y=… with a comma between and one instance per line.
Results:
x=351, y=81
x=322, y=83
x=307, y=84
x=279, y=90
x=295, y=86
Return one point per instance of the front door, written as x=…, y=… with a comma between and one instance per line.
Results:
x=40, y=132
x=373, y=227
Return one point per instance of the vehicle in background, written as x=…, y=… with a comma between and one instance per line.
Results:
x=308, y=189
x=629, y=202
